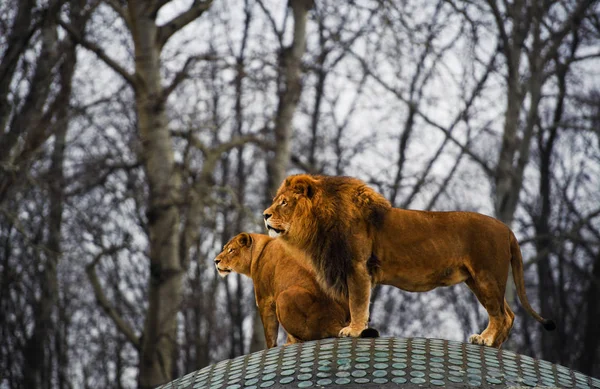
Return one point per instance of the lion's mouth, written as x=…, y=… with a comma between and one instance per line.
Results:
x=223, y=272
x=274, y=232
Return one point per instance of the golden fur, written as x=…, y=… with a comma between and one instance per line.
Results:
x=285, y=288
x=355, y=239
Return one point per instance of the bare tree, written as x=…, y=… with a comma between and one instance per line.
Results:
x=137, y=137
x=289, y=87
x=29, y=121
x=168, y=243
x=520, y=23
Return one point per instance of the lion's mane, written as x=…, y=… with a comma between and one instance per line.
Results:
x=328, y=210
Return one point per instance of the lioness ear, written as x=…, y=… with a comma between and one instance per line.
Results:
x=245, y=239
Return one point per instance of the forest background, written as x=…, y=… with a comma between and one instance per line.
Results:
x=137, y=137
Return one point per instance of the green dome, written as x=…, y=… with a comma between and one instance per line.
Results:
x=382, y=363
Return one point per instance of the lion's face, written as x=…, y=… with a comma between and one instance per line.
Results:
x=291, y=206
x=235, y=256
x=279, y=216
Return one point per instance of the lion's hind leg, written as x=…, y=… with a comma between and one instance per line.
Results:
x=501, y=317
x=511, y=320
x=307, y=315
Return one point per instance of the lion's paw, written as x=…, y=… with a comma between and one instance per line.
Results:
x=351, y=331
x=478, y=339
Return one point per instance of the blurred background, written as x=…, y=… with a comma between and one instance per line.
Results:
x=137, y=137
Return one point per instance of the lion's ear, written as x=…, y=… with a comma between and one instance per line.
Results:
x=305, y=189
x=304, y=186
x=245, y=239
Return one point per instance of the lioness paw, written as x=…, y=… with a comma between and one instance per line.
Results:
x=478, y=339
x=351, y=331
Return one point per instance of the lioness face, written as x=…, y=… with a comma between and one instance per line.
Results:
x=235, y=256
x=278, y=216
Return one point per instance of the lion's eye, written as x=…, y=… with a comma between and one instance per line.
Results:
x=230, y=250
x=283, y=203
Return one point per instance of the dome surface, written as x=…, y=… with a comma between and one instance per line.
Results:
x=382, y=363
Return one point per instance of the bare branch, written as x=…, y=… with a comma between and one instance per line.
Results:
x=463, y=148
x=120, y=10
x=183, y=73
x=167, y=30
x=502, y=31
x=121, y=324
x=99, y=52
x=223, y=147
x=277, y=32
x=297, y=160
x=426, y=118
x=574, y=20
x=239, y=141
x=444, y=185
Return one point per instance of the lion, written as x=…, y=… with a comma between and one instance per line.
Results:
x=286, y=290
x=343, y=226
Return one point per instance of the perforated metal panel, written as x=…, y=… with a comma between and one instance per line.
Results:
x=382, y=362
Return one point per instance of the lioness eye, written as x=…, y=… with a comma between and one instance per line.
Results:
x=283, y=203
x=230, y=250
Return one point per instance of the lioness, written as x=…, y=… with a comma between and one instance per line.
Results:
x=286, y=290
x=341, y=224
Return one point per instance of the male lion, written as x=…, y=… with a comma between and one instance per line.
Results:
x=343, y=226
x=286, y=290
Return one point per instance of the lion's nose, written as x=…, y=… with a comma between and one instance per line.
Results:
x=267, y=216
x=217, y=261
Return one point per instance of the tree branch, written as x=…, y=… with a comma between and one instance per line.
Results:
x=574, y=20
x=502, y=31
x=99, y=53
x=273, y=23
x=90, y=269
x=183, y=73
x=177, y=23
x=120, y=10
x=223, y=147
x=239, y=141
x=464, y=148
x=426, y=118
x=308, y=168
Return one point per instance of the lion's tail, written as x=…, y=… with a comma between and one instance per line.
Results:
x=517, y=269
x=369, y=332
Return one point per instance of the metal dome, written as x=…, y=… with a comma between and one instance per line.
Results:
x=382, y=363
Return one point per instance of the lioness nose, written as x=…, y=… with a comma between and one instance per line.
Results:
x=217, y=261
x=267, y=216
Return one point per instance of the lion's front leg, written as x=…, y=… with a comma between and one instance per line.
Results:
x=359, y=295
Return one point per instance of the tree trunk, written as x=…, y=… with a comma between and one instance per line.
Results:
x=159, y=341
x=588, y=359
x=290, y=82
x=526, y=21
x=36, y=368
x=550, y=300
x=16, y=44
x=546, y=287
x=290, y=73
x=25, y=134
